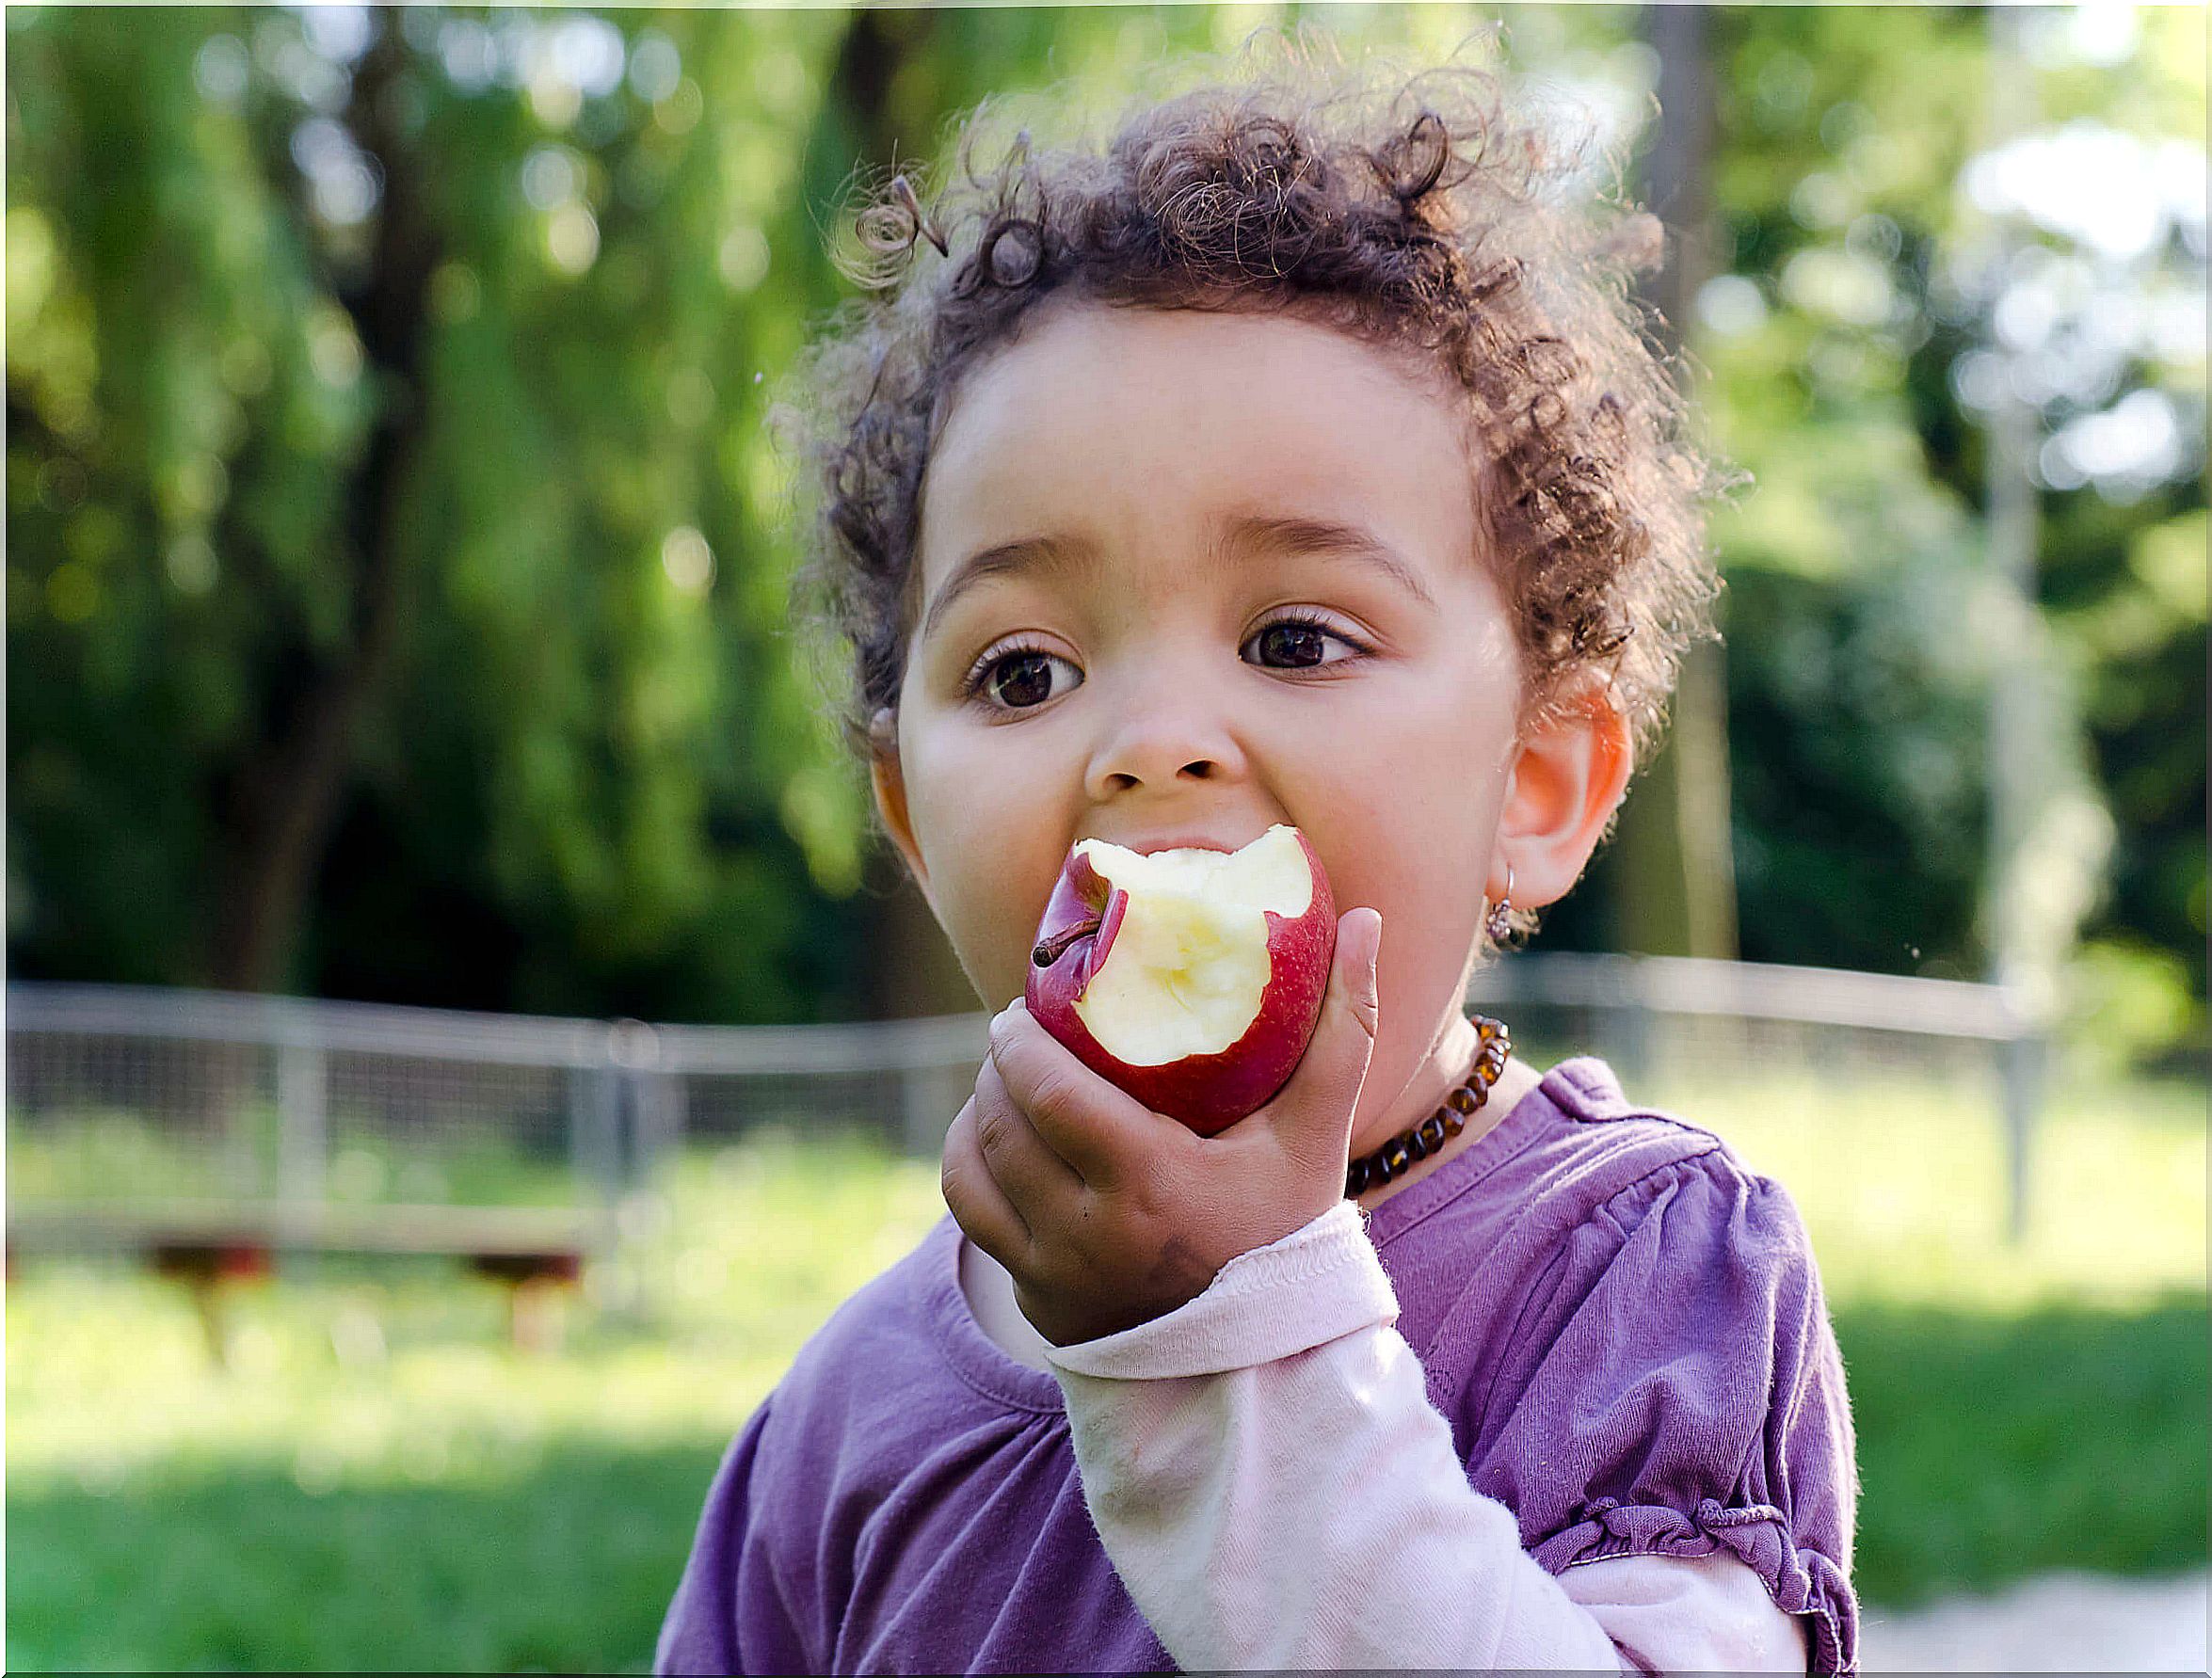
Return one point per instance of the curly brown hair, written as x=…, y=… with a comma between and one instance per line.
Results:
x=1413, y=208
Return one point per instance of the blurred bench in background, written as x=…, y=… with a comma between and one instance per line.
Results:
x=537, y=1251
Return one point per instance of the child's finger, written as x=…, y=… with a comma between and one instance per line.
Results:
x=978, y=1205
x=1021, y=1161
x=1100, y=1129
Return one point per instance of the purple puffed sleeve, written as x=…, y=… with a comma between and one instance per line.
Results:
x=1681, y=1393
x=730, y=1614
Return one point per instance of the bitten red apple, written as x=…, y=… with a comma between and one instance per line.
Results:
x=1192, y=979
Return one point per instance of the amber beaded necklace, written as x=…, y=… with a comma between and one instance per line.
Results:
x=1396, y=1157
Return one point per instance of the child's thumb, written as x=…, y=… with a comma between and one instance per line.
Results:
x=1324, y=1090
x=1352, y=979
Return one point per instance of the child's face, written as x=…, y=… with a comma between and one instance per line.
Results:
x=1142, y=695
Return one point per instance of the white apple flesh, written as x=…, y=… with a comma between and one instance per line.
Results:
x=1192, y=979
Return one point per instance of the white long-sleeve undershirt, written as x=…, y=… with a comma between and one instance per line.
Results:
x=1272, y=1486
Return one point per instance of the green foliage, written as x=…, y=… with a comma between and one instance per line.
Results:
x=1856, y=730
x=511, y=418
x=396, y=559
x=2131, y=1002
x=2136, y=638
x=162, y=325
x=1857, y=566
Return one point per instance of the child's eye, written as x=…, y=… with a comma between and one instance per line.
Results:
x=1296, y=633
x=1020, y=675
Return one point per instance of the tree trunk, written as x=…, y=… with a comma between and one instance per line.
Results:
x=1675, y=871
x=287, y=794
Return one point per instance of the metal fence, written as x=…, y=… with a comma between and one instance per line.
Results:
x=120, y=1096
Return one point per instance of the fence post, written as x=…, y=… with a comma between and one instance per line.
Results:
x=2020, y=1077
x=664, y=1104
x=234, y=1073
x=1626, y=981
x=595, y=1133
x=303, y=1134
x=923, y=1118
x=649, y=1094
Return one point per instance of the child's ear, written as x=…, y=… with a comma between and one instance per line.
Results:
x=1566, y=781
x=890, y=794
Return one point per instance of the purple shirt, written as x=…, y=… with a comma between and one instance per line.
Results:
x=1623, y=1325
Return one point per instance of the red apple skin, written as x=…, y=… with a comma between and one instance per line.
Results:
x=1207, y=1093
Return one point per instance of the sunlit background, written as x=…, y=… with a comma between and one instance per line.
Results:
x=404, y=712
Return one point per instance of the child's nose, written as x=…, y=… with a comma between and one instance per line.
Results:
x=1172, y=730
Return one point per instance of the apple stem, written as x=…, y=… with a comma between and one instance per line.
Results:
x=1051, y=950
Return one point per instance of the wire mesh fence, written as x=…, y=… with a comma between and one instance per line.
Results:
x=138, y=1104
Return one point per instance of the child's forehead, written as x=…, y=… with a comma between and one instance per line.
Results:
x=1216, y=360
x=1115, y=417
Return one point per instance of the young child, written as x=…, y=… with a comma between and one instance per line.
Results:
x=1295, y=457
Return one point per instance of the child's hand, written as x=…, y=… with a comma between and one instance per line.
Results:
x=1107, y=1214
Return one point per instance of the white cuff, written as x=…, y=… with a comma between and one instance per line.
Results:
x=1326, y=1283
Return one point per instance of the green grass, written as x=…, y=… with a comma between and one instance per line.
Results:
x=378, y=1481
x=1902, y=1186
x=1993, y=1446
x=564, y=1565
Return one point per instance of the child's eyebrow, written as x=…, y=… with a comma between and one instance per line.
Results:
x=1236, y=537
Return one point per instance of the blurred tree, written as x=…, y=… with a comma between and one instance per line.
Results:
x=396, y=566
x=384, y=610
x=1849, y=331
x=1675, y=859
